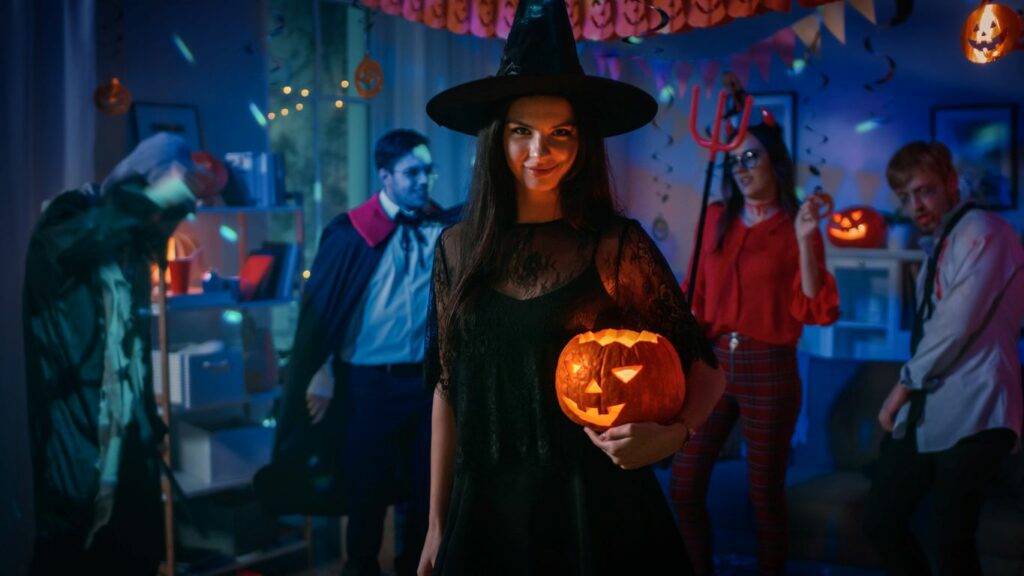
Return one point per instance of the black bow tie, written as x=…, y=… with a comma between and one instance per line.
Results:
x=409, y=224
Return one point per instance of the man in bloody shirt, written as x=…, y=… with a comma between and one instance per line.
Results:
x=956, y=410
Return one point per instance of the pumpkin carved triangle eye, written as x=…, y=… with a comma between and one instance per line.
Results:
x=576, y=368
x=626, y=373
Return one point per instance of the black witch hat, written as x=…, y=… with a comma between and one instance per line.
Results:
x=540, y=59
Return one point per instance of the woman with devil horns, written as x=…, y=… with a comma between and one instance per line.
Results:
x=540, y=256
x=761, y=277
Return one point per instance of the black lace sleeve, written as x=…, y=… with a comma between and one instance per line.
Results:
x=647, y=290
x=435, y=359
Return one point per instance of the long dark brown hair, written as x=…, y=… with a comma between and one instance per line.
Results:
x=785, y=180
x=586, y=198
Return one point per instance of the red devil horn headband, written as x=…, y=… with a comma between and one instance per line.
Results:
x=767, y=118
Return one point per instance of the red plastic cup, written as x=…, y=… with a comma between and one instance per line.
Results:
x=179, y=275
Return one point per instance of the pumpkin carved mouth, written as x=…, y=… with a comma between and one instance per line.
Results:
x=989, y=46
x=593, y=415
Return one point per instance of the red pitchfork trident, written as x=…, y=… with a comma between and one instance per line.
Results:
x=714, y=146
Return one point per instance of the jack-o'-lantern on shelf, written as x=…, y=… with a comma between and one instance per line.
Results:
x=857, y=227
x=991, y=31
x=614, y=377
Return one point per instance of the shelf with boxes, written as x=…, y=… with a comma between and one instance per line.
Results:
x=876, y=293
x=221, y=328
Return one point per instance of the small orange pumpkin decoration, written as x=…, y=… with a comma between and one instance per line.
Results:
x=615, y=377
x=857, y=227
x=112, y=98
x=991, y=31
x=369, y=77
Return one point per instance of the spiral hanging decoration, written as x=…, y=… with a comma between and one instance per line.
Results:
x=814, y=158
x=904, y=8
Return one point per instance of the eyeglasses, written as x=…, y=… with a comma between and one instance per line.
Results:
x=748, y=159
x=414, y=173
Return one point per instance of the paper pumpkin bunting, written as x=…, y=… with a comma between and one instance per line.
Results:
x=599, y=19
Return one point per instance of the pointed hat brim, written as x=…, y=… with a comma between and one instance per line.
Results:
x=617, y=107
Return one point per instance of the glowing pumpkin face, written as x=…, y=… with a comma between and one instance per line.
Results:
x=599, y=19
x=615, y=377
x=990, y=32
x=857, y=227
x=706, y=13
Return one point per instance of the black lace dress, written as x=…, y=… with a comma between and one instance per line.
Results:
x=532, y=494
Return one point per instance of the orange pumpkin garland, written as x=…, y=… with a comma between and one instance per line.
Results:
x=615, y=377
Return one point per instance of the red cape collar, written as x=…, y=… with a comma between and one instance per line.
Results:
x=371, y=222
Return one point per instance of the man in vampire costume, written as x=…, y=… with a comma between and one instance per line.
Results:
x=354, y=431
x=93, y=423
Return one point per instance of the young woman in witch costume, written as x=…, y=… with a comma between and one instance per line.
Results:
x=760, y=278
x=540, y=256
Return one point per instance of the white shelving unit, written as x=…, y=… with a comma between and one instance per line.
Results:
x=225, y=236
x=874, y=286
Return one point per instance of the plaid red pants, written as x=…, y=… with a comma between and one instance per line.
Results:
x=763, y=391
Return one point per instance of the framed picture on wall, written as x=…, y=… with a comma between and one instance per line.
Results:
x=983, y=142
x=782, y=105
x=182, y=119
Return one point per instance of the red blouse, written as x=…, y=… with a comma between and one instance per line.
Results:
x=752, y=285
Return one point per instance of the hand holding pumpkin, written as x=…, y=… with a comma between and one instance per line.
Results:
x=639, y=444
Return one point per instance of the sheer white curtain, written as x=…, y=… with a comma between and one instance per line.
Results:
x=47, y=122
x=419, y=62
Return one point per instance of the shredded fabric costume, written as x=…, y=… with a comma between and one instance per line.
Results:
x=532, y=494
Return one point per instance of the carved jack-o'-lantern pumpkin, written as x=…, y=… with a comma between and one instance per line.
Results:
x=615, y=377
x=990, y=33
x=598, y=19
x=369, y=77
x=631, y=19
x=706, y=13
x=434, y=13
x=458, y=16
x=857, y=227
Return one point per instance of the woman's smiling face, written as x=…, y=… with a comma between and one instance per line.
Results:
x=541, y=141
